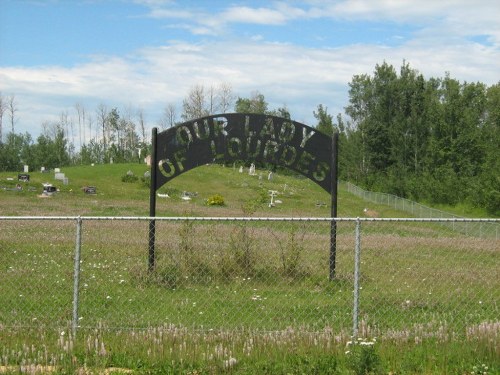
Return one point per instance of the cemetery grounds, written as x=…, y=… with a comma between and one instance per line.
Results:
x=237, y=296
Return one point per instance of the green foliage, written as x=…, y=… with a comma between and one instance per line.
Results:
x=130, y=178
x=290, y=255
x=215, y=200
x=363, y=357
x=255, y=104
x=325, y=120
x=241, y=252
x=405, y=128
x=146, y=181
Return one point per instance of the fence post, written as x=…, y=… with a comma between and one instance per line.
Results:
x=357, y=256
x=76, y=274
x=334, y=203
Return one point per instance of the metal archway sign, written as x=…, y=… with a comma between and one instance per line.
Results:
x=243, y=137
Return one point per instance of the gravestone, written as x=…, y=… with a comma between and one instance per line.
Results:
x=270, y=176
x=251, y=171
x=48, y=189
x=24, y=177
x=59, y=176
x=26, y=169
x=90, y=190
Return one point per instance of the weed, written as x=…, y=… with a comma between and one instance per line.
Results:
x=290, y=254
x=481, y=369
x=363, y=357
x=130, y=177
x=241, y=249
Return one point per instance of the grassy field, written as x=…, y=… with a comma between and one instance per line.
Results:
x=232, y=297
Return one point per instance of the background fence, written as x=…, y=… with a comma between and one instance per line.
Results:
x=411, y=278
x=483, y=230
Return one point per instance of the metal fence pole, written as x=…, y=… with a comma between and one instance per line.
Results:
x=76, y=275
x=357, y=255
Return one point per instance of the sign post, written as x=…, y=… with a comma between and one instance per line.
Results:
x=152, y=203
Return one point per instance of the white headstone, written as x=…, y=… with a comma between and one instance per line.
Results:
x=26, y=169
x=251, y=171
x=270, y=176
x=241, y=169
x=59, y=176
x=42, y=169
x=57, y=170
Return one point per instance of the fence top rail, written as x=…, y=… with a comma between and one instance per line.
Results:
x=201, y=218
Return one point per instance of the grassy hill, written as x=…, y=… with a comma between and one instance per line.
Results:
x=243, y=194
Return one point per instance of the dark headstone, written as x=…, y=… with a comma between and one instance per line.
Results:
x=23, y=177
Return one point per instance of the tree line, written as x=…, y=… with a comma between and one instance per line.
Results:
x=434, y=140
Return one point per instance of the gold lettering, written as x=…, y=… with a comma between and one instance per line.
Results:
x=321, y=171
x=234, y=147
x=270, y=150
x=205, y=133
x=304, y=163
x=180, y=157
x=254, y=152
x=267, y=129
x=288, y=156
x=166, y=168
x=287, y=131
x=306, y=135
x=220, y=124
x=184, y=135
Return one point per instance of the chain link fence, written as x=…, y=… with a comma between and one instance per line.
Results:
x=483, y=230
x=412, y=278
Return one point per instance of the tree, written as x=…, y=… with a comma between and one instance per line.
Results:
x=169, y=117
x=202, y=101
x=255, y=104
x=51, y=149
x=14, y=151
x=325, y=120
x=196, y=104
x=80, y=109
x=12, y=109
x=3, y=107
x=225, y=97
x=142, y=124
x=102, y=115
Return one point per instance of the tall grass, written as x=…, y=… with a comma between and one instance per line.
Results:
x=231, y=297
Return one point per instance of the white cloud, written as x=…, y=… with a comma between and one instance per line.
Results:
x=264, y=16
x=299, y=77
x=287, y=74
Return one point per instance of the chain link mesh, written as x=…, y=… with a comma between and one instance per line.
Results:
x=484, y=229
x=417, y=279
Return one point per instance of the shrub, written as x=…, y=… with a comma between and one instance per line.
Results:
x=129, y=178
x=215, y=200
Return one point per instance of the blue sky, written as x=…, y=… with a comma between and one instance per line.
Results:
x=146, y=54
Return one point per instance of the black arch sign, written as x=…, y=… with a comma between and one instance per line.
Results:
x=247, y=137
x=244, y=137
